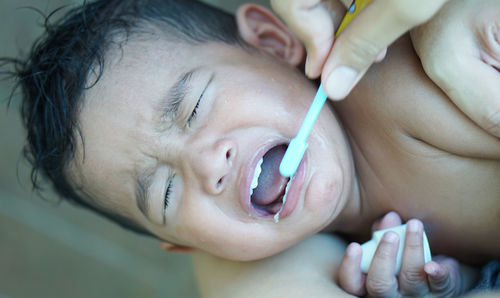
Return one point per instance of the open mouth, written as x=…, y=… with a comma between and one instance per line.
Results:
x=268, y=188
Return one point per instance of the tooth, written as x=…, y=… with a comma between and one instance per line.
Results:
x=277, y=215
x=256, y=174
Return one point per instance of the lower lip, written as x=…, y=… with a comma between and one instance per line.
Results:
x=294, y=191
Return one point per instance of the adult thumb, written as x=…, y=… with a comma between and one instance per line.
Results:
x=367, y=36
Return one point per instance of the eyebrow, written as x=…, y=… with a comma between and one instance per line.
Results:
x=143, y=184
x=170, y=107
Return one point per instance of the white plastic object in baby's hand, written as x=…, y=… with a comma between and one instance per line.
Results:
x=370, y=247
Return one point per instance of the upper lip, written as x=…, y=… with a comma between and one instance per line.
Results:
x=248, y=173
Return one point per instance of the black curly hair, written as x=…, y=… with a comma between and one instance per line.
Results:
x=55, y=75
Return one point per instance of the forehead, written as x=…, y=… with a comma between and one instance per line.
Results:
x=149, y=62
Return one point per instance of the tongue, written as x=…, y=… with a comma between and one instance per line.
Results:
x=271, y=183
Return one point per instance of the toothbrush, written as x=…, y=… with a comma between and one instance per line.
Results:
x=297, y=147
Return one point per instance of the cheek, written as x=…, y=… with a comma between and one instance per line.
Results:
x=324, y=193
x=199, y=222
x=330, y=167
x=214, y=235
x=275, y=108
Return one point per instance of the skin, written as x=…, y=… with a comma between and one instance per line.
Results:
x=414, y=152
x=240, y=115
x=440, y=277
x=470, y=77
x=314, y=268
x=342, y=62
x=418, y=154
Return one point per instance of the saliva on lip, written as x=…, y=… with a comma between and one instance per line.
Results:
x=277, y=215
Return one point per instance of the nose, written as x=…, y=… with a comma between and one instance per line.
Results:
x=212, y=163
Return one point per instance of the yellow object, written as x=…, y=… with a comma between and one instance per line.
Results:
x=352, y=11
x=298, y=145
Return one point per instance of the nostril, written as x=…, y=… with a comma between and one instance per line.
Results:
x=229, y=157
x=219, y=183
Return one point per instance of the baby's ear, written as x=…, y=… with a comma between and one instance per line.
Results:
x=176, y=248
x=261, y=28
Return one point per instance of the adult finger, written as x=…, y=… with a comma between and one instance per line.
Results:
x=313, y=21
x=463, y=58
x=473, y=85
x=412, y=278
x=375, y=28
x=381, y=280
x=351, y=279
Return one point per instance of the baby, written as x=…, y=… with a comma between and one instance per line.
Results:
x=161, y=114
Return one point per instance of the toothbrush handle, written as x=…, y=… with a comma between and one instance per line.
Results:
x=312, y=114
x=298, y=145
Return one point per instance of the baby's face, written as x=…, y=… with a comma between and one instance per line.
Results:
x=189, y=125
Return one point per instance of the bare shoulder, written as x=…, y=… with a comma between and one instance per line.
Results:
x=457, y=109
x=419, y=108
x=305, y=270
x=427, y=155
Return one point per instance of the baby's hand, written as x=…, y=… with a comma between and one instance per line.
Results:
x=440, y=277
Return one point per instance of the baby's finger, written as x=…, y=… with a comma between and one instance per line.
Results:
x=412, y=278
x=389, y=220
x=381, y=280
x=351, y=279
x=439, y=278
x=444, y=280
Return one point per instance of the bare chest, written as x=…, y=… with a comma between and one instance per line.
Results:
x=417, y=154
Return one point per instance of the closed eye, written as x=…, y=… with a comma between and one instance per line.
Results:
x=168, y=192
x=194, y=113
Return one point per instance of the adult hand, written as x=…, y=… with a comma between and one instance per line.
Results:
x=437, y=278
x=341, y=65
x=460, y=51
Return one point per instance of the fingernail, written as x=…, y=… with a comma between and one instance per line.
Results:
x=413, y=225
x=432, y=269
x=353, y=249
x=390, y=237
x=391, y=214
x=340, y=82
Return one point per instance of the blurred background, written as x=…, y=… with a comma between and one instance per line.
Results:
x=57, y=250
